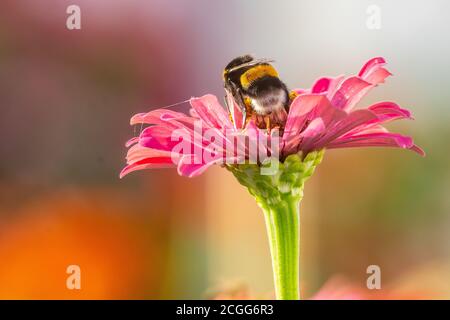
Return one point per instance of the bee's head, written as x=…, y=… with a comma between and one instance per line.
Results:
x=239, y=66
x=236, y=66
x=236, y=62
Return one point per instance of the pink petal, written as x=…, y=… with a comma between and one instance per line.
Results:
x=306, y=108
x=387, y=111
x=188, y=168
x=314, y=128
x=211, y=112
x=138, y=152
x=371, y=66
x=378, y=76
x=328, y=113
x=365, y=129
x=192, y=170
x=160, y=138
x=254, y=135
x=132, y=141
x=377, y=140
x=193, y=113
x=373, y=71
x=165, y=139
x=334, y=85
x=418, y=150
x=321, y=85
x=327, y=85
x=188, y=123
x=298, y=111
x=353, y=120
x=149, y=163
x=352, y=89
x=192, y=125
x=154, y=116
x=350, y=92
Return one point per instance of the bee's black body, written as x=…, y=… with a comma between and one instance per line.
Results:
x=257, y=90
x=232, y=78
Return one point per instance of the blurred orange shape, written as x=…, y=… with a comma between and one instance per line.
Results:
x=45, y=237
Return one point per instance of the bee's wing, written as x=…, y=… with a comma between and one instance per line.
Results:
x=238, y=114
x=251, y=63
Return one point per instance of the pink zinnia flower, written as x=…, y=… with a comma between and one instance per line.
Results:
x=322, y=117
x=319, y=118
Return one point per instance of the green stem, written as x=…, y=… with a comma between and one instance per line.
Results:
x=279, y=196
x=282, y=223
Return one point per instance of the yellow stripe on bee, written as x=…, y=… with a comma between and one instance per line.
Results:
x=257, y=72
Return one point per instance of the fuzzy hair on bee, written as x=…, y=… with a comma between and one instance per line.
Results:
x=257, y=89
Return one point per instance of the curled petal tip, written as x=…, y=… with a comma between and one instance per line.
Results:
x=137, y=118
x=122, y=174
x=418, y=150
x=374, y=62
x=132, y=141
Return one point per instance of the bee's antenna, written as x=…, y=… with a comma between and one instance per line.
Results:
x=165, y=107
x=251, y=63
x=175, y=104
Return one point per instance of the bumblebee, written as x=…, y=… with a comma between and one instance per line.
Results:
x=258, y=91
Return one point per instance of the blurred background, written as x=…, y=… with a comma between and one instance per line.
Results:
x=66, y=97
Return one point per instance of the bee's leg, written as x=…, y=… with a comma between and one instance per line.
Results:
x=230, y=115
x=225, y=100
x=244, y=117
x=241, y=102
x=267, y=121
